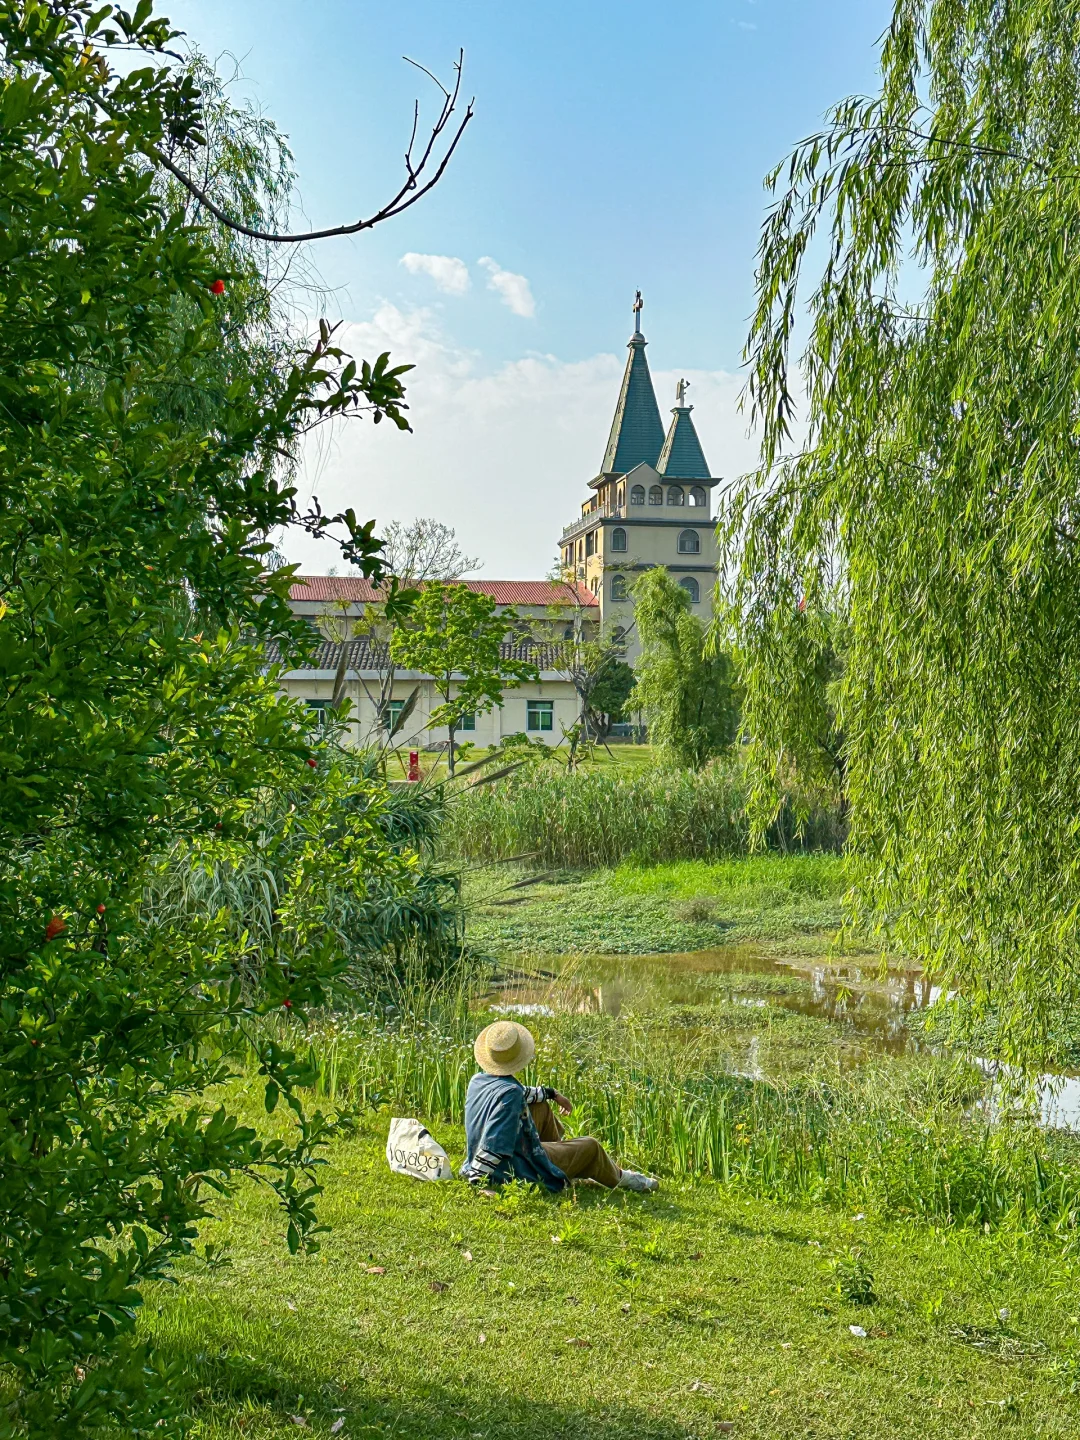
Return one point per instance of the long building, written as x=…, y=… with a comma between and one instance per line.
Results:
x=651, y=504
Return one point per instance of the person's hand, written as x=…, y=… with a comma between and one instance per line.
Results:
x=562, y=1102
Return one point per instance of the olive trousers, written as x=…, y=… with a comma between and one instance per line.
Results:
x=580, y=1159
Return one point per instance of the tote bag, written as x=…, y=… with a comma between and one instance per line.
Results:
x=411, y=1150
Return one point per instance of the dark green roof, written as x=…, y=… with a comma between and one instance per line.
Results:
x=682, y=457
x=637, y=432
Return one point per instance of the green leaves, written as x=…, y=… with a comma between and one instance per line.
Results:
x=147, y=430
x=687, y=696
x=929, y=521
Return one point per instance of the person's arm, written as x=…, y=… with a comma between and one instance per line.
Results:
x=535, y=1093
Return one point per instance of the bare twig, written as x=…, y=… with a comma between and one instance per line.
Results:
x=409, y=193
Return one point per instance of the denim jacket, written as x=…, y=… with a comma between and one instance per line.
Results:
x=501, y=1142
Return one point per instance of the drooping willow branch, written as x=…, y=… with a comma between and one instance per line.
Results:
x=413, y=189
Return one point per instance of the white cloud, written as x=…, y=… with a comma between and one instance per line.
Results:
x=513, y=290
x=448, y=272
x=504, y=456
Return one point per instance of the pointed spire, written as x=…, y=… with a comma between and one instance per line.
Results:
x=682, y=457
x=637, y=432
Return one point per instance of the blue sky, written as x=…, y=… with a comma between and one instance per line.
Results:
x=615, y=145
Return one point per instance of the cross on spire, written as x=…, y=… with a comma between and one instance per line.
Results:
x=638, y=303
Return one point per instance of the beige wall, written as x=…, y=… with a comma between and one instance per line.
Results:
x=490, y=728
x=652, y=538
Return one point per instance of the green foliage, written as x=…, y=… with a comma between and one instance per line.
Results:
x=145, y=432
x=456, y=635
x=853, y=1278
x=590, y=817
x=688, y=696
x=933, y=502
x=614, y=683
x=295, y=866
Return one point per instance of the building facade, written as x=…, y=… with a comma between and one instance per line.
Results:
x=345, y=610
x=651, y=504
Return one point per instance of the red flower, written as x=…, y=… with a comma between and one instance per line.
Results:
x=218, y=287
x=101, y=909
x=55, y=927
x=312, y=763
x=287, y=1004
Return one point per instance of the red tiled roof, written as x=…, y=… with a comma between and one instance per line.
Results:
x=356, y=590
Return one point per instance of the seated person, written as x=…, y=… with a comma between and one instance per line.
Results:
x=511, y=1131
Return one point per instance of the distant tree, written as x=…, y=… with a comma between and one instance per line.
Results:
x=425, y=549
x=611, y=690
x=688, y=697
x=455, y=635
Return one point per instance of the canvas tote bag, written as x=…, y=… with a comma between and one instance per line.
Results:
x=411, y=1150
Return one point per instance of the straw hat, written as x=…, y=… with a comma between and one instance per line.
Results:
x=504, y=1048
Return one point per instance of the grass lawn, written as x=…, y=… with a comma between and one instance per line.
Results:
x=435, y=1312
x=686, y=905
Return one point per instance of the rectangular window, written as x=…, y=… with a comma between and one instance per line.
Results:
x=539, y=715
x=391, y=713
x=468, y=722
x=320, y=710
x=590, y=544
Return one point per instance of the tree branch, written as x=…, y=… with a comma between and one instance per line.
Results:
x=401, y=201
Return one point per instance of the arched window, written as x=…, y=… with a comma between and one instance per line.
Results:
x=618, y=538
x=689, y=542
x=675, y=495
x=619, y=497
x=618, y=587
x=690, y=585
x=656, y=494
x=637, y=495
x=698, y=496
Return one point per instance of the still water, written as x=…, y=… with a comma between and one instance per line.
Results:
x=865, y=1005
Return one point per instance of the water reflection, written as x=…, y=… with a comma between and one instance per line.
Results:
x=868, y=1004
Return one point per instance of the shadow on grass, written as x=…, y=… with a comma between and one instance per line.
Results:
x=233, y=1391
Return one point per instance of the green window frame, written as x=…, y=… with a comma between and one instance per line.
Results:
x=539, y=715
x=468, y=722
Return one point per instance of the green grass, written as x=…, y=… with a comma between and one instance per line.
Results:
x=658, y=1318
x=681, y=906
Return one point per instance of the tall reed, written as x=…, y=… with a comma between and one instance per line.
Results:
x=899, y=1141
x=600, y=817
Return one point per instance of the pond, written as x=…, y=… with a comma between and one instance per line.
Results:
x=862, y=1009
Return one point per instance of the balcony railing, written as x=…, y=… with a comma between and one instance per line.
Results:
x=611, y=512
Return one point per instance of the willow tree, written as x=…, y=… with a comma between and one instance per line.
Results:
x=932, y=501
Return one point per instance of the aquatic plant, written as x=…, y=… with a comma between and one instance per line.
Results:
x=599, y=817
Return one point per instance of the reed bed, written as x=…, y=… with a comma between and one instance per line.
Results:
x=896, y=1140
x=601, y=817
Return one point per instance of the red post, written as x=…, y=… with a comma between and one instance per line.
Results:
x=414, y=765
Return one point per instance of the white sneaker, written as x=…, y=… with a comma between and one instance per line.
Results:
x=634, y=1180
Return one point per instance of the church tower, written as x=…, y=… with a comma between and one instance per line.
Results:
x=650, y=504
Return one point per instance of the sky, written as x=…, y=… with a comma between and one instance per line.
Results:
x=617, y=145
